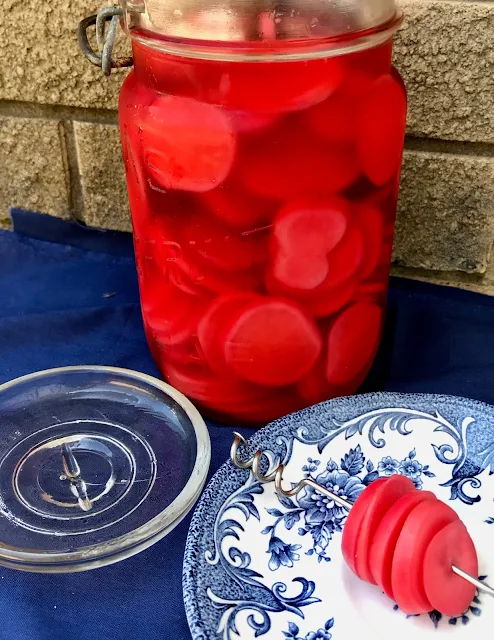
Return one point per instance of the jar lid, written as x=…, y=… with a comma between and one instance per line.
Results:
x=178, y=24
x=96, y=464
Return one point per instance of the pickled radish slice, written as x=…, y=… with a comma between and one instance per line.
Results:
x=343, y=264
x=225, y=397
x=407, y=571
x=209, y=389
x=352, y=342
x=377, y=507
x=371, y=223
x=189, y=145
x=185, y=353
x=252, y=121
x=447, y=592
x=237, y=208
x=288, y=164
x=314, y=387
x=171, y=314
x=351, y=530
x=319, y=302
x=195, y=275
x=304, y=233
x=223, y=247
x=334, y=119
x=269, y=88
x=273, y=343
x=331, y=299
x=346, y=259
x=214, y=324
x=381, y=129
x=384, y=542
x=259, y=410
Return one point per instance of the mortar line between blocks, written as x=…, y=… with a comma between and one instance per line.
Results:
x=76, y=194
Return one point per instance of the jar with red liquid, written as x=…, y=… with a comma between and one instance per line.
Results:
x=262, y=144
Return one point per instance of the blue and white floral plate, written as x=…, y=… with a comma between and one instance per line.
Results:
x=259, y=566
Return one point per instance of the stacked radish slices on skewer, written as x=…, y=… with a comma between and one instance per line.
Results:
x=408, y=542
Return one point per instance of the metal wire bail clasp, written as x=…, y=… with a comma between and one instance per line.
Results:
x=105, y=39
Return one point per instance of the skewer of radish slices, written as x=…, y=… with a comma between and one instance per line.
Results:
x=408, y=542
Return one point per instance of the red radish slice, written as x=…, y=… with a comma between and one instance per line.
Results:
x=262, y=409
x=343, y=264
x=252, y=121
x=249, y=86
x=227, y=399
x=386, y=536
x=351, y=530
x=171, y=314
x=189, y=145
x=407, y=572
x=346, y=259
x=334, y=119
x=383, y=499
x=223, y=247
x=371, y=224
x=197, y=275
x=304, y=233
x=290, y=87
x=185, y=354
x=352, y=342
x=238, y=208
x=381, y=129
x=288, y=164
x=330, y=300
x=272, y=343
x=314, y=388
x=214, y=324
x=447, y=592
x=208, y=389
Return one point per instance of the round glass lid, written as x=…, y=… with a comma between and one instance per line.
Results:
x=96, y=464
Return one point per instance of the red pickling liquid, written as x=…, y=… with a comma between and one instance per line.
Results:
x=263, y=199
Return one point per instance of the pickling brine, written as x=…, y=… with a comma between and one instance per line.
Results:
x=263, y=198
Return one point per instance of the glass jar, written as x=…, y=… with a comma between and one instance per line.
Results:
x=263, y=152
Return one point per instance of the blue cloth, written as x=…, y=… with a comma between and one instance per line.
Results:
x=69, y=297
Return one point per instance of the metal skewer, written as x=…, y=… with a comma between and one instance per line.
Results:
x=277, y=477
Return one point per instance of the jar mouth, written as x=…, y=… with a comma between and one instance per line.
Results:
x=310, y=48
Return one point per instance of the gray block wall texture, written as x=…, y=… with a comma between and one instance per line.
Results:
x=60, y=153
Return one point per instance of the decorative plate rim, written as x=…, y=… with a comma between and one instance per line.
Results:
x=359, y=404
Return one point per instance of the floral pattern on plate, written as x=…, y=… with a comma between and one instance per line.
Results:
x=259, y=565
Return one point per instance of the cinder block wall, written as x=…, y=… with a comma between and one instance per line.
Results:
x=59, y=144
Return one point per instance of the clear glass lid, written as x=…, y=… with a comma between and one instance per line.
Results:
x=96, y=464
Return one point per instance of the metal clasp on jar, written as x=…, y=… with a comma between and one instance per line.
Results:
x=105, y=39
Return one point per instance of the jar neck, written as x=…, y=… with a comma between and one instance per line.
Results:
x=279, y=50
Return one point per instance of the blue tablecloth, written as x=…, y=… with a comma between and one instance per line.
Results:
x=68, y=296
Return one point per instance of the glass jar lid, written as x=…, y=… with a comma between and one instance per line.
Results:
x=96, y=464
x=178, y=25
